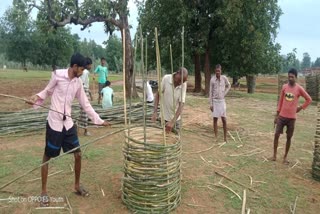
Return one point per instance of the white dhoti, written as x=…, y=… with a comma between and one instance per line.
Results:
x=219, y=108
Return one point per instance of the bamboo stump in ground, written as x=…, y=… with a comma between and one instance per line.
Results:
x=316, y=154
x=152, y=178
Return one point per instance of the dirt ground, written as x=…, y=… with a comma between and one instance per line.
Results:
x=271, y=187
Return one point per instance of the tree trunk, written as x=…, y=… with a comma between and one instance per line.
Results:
x=235, y=80
x=128, y=61
x=251, y=83
x=316, y=153
x=197, y=73
x=207, y=72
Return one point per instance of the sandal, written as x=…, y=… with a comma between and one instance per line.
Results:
x=82, y=192
x=45, y=200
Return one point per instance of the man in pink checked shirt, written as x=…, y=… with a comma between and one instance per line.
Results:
x=61, y=132
x=287, y=111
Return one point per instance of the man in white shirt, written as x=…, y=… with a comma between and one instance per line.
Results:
x=219, y=87
x=149, y=93
x=173, y=89
x=83, y=122
x=107, y=96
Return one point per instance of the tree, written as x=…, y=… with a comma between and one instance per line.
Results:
x=169, y=17
x=247, y=39
x=238, y=34
x=17, y=33
x=114, y=53
x=306, y=61
x=52, y=47
x=113, y=13
x=316, y=63
x=290, y=61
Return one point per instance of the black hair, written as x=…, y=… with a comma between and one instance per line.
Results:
x=77, y=59
x=102, y=58
x=218, y=66
x=293, y=71
x=108, y=83
x=88, y=61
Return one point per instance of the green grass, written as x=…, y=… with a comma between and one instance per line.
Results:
x=18, y=75
x=45, y=75
x=258, y=96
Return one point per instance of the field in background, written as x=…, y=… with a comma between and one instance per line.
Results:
x=243, y=158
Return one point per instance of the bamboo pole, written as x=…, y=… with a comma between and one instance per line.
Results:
x=182, y=64
x=182, y=41
x=159, y=86
x=146, y=55
x=124, y=75
x=143, y=88
x=173, y=101
x=134, y=71
x=53, y=159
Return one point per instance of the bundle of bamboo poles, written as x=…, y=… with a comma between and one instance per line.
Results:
x=312, y=86
x=316, y=154
x=27, y=122
x=151, y=182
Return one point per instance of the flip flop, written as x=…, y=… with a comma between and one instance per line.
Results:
x=45, y=200
x=82, y=192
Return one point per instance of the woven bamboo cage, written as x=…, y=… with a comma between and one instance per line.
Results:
x=152, y=171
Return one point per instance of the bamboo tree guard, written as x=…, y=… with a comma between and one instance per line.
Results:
x=152, y=163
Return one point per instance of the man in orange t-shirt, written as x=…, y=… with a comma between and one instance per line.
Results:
x=287, y=111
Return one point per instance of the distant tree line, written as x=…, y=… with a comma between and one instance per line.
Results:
x=290, y=60
x=27, y=41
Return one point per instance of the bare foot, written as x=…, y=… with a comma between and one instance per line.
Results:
x=272, y=158
x=285, y=161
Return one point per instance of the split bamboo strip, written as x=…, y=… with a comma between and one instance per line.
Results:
x=244, y=200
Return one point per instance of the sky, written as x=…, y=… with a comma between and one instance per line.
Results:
x=298, y=26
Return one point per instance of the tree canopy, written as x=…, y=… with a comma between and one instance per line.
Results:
x=238, y=34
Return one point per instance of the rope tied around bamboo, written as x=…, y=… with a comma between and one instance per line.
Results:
x=152, y=178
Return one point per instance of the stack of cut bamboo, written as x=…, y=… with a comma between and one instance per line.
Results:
x=316, y=155
x=312, y=86
x=29, y=121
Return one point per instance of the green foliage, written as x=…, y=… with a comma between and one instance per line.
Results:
x=239, y=34
x=290, y=61
x=316, y=63
x=169, y=18
x=17, y=32
x=114, y=53
x=246, y=40
x=306, y=61
x=24, y=40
